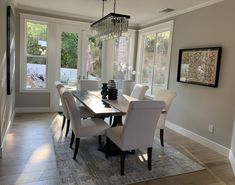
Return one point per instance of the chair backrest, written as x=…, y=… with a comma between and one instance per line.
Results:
x=167, y=96
x=89, y=85
x=60, y=87
x=139, y=91
x=140, y=124
x=73, y=111
x=127, y=87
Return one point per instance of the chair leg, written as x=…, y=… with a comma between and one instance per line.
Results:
x=107, y=148
x=100, y=139
x=110, y=120
x=67, y=129
x=162, y=136
x=150, y=158
x=72, y=140
x=76, y=148
x=122, y=162
x=63, y=122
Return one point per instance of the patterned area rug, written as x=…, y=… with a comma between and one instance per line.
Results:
x=92, y=168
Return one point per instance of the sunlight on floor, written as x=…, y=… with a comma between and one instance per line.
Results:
x=143, y=157
x=41, y=154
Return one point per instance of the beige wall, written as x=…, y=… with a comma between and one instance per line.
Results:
x=6, y=101
x=195, y=107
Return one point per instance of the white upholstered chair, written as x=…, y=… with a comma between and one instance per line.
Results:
x=89, y=85
x=84, y=112
x=167, y=96
x=139, y=91
x=138, y=130
x=128, y=86
x=82, y=128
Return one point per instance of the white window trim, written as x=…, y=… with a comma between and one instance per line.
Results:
x=153, y=29
x=23, y=52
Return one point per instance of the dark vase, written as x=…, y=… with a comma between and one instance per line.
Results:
x=111, y=84
x=105, y=90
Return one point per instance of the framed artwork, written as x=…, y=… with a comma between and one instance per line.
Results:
x=199, y=66
x=10, y=49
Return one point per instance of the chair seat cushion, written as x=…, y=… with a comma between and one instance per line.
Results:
x=92, y=127
x=115, y=134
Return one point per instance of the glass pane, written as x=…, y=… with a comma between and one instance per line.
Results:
x=36, y=34
x=94, y=54
x=69, y=59
x=36, y=72
x=148, y=60
x=161, y=62
x=121, y=64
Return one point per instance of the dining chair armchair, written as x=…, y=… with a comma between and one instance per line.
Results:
x=138, y=130
x=82, y=128
x=167, y=96
x=89, y=85
x=84, y=112
x=139, y=91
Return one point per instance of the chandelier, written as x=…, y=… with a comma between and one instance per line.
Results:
x=111, y=25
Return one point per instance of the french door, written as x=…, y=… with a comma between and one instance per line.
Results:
x=69, y=56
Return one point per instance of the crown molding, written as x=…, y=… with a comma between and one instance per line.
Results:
x=61, y=15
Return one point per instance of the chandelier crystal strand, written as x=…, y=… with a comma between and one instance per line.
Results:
x=111, y=25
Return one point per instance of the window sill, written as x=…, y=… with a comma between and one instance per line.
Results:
x=34, y=91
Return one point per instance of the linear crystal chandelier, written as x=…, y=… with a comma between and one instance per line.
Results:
x=111, y=25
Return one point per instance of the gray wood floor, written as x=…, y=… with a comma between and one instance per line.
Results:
x=28, y=156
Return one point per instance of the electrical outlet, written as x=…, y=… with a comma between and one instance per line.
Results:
x=211, y=128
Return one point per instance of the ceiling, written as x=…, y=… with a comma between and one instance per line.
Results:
x=141, y=11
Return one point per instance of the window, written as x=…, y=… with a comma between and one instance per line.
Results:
x=155, y=60
x=122, y=64
x=94, y=58
x=36, y=55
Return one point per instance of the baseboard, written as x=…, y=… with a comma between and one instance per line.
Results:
x=202, y=140
x=32, y=109
x=232, y=161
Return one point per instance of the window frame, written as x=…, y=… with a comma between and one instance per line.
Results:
x=167, y=26
x=24, y=54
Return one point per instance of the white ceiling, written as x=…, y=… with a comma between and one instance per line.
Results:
x=141, y=11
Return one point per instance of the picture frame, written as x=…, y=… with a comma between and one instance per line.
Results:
x=10, y=52
x=199, y=66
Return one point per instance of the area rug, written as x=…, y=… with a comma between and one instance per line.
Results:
x=92, y=168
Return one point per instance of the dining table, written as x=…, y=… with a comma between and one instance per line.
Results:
x=102, y=108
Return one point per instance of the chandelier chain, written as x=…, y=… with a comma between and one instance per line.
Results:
x=103, y=9
x=114, y=6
